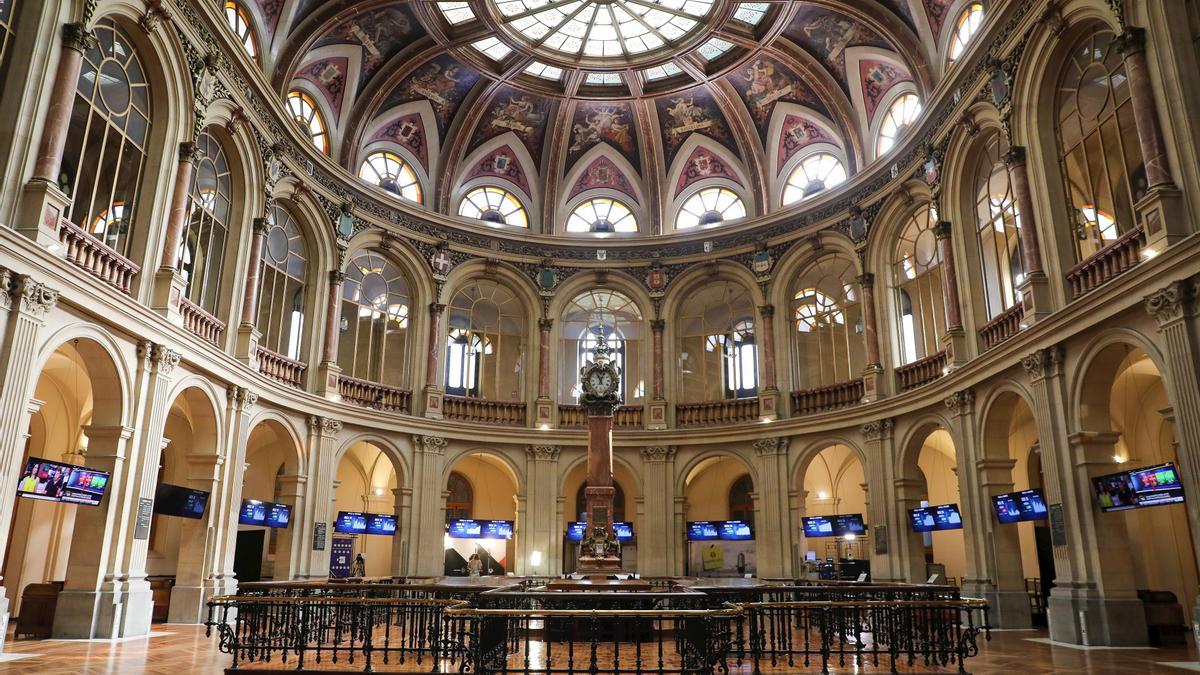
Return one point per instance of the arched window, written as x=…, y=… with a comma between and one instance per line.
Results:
x=389, y=172
x=618, y=318
x=827, y=342
x=618, y=514
x=709, y=207
x=602, y=215
x=917, y=278
x=105, y=154
x=968, y=23
x=493, y=205
x=716, y=347
x=485, y=347
x=741, y=504
x=375, y=320
x=816, y=173
x=304, y=110
x=898, y=118
x=1101, y=158
x=281, y=299
x=6, y=21
x=202, y=251
x=239, y=21
x=998, y=227
x=460, y=502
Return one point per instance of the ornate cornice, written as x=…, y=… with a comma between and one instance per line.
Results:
x=543, y=453
x=658, y=453
x=877, y=430
x=432, y=445
x=1043, y=363
x=765, y=447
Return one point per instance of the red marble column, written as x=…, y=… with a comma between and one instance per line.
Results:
x=1031, y=250
x=1132, y=44
x=333, y=317
x=435, y=343
x=656, y=331
x=76, y=39
x=253, y=271
x=949, y=275
x=189, y=153
x=768, y=345
x=600, y=491
x=544, y=326
x=866, y=284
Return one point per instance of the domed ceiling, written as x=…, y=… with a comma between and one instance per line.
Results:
x=644, y=101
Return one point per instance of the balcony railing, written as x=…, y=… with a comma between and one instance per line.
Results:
x=197, y=320
x=921, y=372
x=374, y=395
x=1004, y=326
x=715, y=413
x=99, y=260
x=280, y=368
x=1107, y=263
x=575, y=417
x=506, y=413
x=828, y=397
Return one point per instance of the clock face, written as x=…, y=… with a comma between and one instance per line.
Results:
x=600, y=381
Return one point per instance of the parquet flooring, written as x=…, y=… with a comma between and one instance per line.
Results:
x=184, y=650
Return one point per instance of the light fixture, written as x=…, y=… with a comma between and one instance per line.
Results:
x=850, y=536
x=544, y=427
x=535, y=558
x=1118, y=459
x=1149, y=253
x=822, y=495
x=378, y=492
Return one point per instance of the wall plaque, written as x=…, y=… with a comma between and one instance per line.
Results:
x=319, y=536
x=1058, y=525
x=881, y=540
x=145, y=512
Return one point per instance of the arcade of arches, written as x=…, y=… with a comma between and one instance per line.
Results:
x=852, y=257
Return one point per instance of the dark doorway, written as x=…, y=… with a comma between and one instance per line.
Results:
x=247, y=555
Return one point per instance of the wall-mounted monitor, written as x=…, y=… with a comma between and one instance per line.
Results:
x=818, y=526
x=849, y=523
x=176, y=500
x=1016, y=507
x=57, y=482
x=702, y=530
x=736, y=530
x=480, y=529
x=253, y=512
x=935, y=518
x=1148, y=486
x=379, y=523
x=350, y=522
x=278, y=515
x=1114, y=492
x=624, y=532
x=575, y=530
x=922, y=519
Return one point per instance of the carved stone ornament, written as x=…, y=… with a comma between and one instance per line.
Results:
x=154, y=15
x=76, y=36
x=164, y=359
x=35, y=298
x=247, y=398
x=1167, y=304
x=330, y=425
x=961, y=402
x=434, y=445
x=1043, y=362
x=658, y=453
x=543, y=453
x=770, y=446
x=877, y=429
x=190, y=152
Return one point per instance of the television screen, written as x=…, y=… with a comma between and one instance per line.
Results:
x=624, y=531
x=351, y=522
x=496, y=529
x=736, y=530
x=378, y=523
x=54, y=481
x=849, y=523
x=923, y=519
x=702, y=530
x=176, y=500
x=818, y=526
x=1155, y=485
x=947, y=517
x=1015, y=507
x=278, y=515
x=1115, y=492
x=464, y=529
x=575, y=531
x=253, y=512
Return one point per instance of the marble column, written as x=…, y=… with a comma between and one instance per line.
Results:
x=768, y=393
x=248, y=335
x=76, y=39
x=656, y=552
x=872, y=375
x=189, y=155
x=433, y=390
x=945, y=246
x=544, y=405
x=656, y=409
x=539, y=530
x=773, y=520
x=427, y=527
x=1031, y=249
x=329, y=369
x=1132, y=45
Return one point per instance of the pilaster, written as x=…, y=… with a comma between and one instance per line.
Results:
x=773, y=521
x=887, y=526
x=656, y=549
x=315, y=530
x=239, y=405
x=539, y=531
x=427, y=527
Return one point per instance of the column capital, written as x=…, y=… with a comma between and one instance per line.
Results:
x=545, y=324
x=877, y=430
x=190, y=152
x=767, y=311
x=430, y=445
x=240, y=397
x=436, y=309
x=657, y=325
x=28, y=296
x=961, y=402
x=1169, y=304
x=943, y=229
x=658, y=453
x=543, y=453
x=771, y=446
x=161, y=359
x=1131, y=41
x=1044, y=363
x=1015, y=156
x=324, y=426
x=262, y=225
x=336, y=277
x=866, y=279
x=77, y=37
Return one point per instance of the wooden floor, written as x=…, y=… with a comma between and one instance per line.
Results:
x=180, y=650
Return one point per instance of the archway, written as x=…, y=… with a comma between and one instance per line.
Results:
x=929, y=477
x=486, y=489
x=266, y=547
x=369, y=483
x=834, y=484
x=627, y=505
x=714, y=490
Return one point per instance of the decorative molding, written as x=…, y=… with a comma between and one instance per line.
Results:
x=764, y=447
x=35, y=297
x=658, y=453
x=1169, y=304
x=543, y=453
x=1044, y=362
x=878, y=430
x=164, y=359
x=432, y=445
x=326, y=426
x=77, y=37
x=961, y=402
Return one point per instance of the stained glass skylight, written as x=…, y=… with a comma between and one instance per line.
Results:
x=493, y=48
x=659, y=72
x=456, y=12
x=542, y=70
x=603, y=78
x=603, y=28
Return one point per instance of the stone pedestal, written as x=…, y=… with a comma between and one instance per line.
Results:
x=43, y=206
x=247, y=345
x=1162, y=215
x=954, y=343
x=768, y=404
x=543, y=413
x=169, y=287
x=656, y=414
x=872, y=377
x=1035, y=298
x=1079, y=615
x=433, y=402
x=327, y=380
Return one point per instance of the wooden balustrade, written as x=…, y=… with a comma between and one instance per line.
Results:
x=280, y=368
x=198, y=321
x=1107, y=263
x=575, y=417
x=374, y=395
x=924, y=371
x=1004, y=326
x=506, y=413
x=828, y=397
x=714, y=413
x=95, y=257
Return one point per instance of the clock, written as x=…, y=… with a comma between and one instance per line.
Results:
x=601, y=379
x=601, y=382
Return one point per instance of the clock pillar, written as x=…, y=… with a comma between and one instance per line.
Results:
x=599, y=551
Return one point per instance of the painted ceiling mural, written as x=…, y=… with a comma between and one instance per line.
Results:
x=350, y=52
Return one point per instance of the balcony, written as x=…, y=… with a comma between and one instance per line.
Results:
x=483, y=411
x=1107, y=263
x=1001, y=328
x=716, y=413
x=99, y=260
x=575, y=417
x=374, y=395
x=921, y=372
x=280, y=368
x=828, y=397
x=198, y=321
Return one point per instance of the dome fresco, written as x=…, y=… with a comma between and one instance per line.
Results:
x=643, y=101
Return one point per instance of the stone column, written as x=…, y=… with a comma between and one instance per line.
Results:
x=288, y=545
x=433, y=390
x=908, y=493
x=193, y=584
x=329, y=368
x=402, y=510
x=656, y=410
x=656, y=550
x=44, y=202
x=768, y=396
x=239, y=405
x=1001, y=547
x=248, y=333
x=887, y=524
x=954, y=342
x=539, y=531
x=873, y=373
x=314, y=528
x=169, y=285
x=1035, y=288
x=544, y=406
x=678, y=542
x=772, y=523
x=428, y=522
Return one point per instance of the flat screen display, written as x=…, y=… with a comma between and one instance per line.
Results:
x=53, y=481
x=849, y=523
x=1016, y=507
x=1155, y=485
x=935, y=518
x=278, y=515
x=176, y=500
x=624, y=531
x=496, y=529
x=350, y=522
x=1114, y=492
x=480, y=529
x=253, y=512
x=736, y=530
x=702, y=530
x=378, y=523
x=818, y=526
x=922, y=519
x=575, y=531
